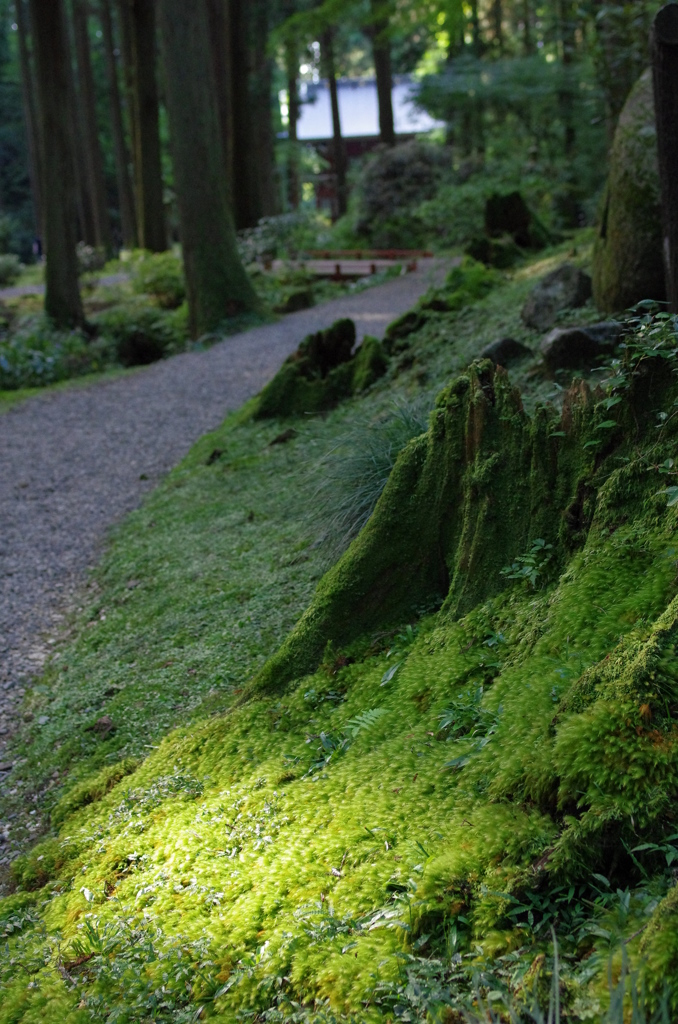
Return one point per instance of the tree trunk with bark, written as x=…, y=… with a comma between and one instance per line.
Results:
x=566, y=97
x=528, y=35
x=338, y=147
x=664, y=44
x=245, y=186
x=220, y=53
x=261, y=90
x=381, y=49
x=145, y=111
x=85, y=229
x=62, y=295
x=94, y=164
x=498, y=24
x=476, y=38
x=122, y=162
x=217, y=284
x=31, y=115
x=292, y=70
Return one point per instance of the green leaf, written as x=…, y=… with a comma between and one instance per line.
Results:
x=671, y=496
x=458, y=762
x=606, y=425
x=388, y=675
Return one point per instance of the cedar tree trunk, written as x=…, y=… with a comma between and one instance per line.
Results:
x=31, y=116
x=381, y=49
x=261, y=91
x=220, y=51
x=339, y=148
x=93, y=160
x=125, y=193
x=62, y=296
x=145, y=110
x=664, y=39
x=292, y=69
x=245, y=183
x=217, y=284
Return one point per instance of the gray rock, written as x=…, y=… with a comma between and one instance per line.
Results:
x=567, y=287
x=505, y=351
x=607, y=333
x=568, y=348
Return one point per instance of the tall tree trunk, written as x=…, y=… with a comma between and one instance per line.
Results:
x=292, y=70
x=664, y=42
x=339, y=149
x=261, y=88
x=86, y=231
x=93, y=159
x=220, y=51
x=31, y=116
x=477, y=42
x=217, y=284
x=568, y=39
x=125, y=193
x=126, y=49
x=62, y=296
x=498, y=24
x=246, y=196
x=528, y=36
x=145, y=111
x=381, y=49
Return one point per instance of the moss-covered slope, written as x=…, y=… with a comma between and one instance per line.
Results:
x=443, y=786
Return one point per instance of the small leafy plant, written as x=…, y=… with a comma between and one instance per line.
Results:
x=531, y=565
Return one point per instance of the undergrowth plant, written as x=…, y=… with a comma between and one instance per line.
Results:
x=354, y=471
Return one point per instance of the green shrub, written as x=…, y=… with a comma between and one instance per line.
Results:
x=90, y=258
x=392, y=183
x=142, y=334
x=35, y=355
x=283, y=237
x=160, y=275
x=10, y=268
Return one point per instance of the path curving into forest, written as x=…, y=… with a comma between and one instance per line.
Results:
x=73, y=462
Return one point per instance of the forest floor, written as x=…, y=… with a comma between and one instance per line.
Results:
x=75, y=458
x=396, y=831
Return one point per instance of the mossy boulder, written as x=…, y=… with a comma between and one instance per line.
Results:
x=627, y=258
x=323, y=371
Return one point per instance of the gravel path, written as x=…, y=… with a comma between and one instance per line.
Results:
x=17, y=291
x=73, y=462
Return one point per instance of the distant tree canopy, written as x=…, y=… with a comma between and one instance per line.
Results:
x=482, y=59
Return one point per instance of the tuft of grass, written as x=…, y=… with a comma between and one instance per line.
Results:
x=354, y=471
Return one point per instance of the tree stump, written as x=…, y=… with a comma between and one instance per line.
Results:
x=664, y=43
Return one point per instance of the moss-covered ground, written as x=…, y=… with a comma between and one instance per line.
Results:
x=416, y=827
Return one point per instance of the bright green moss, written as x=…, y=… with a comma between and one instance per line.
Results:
x=90, y=790
x=309, y=840
x=462, y=503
